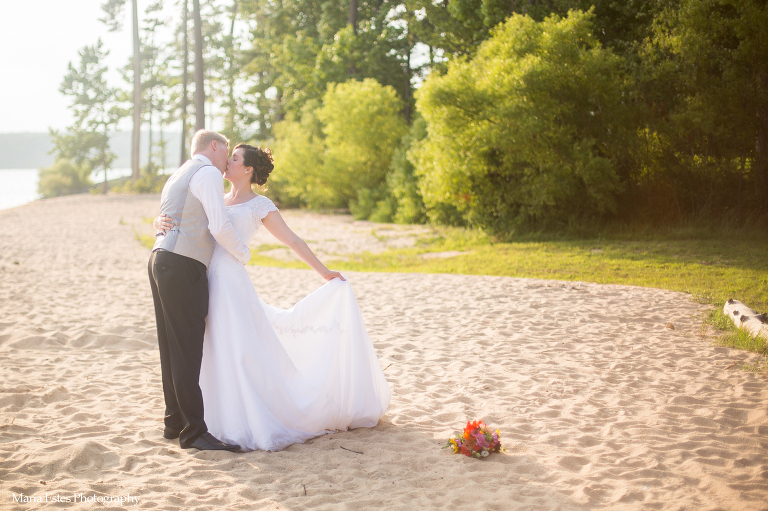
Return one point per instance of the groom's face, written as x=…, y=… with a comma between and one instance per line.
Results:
x=220, y=155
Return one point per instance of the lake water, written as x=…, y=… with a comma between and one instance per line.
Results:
x=19, y=186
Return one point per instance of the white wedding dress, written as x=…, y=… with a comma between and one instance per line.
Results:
x=273, y=377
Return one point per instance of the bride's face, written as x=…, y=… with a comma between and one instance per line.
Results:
x=235, y=168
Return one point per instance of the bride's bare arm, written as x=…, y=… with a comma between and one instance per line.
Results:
x=279, y=229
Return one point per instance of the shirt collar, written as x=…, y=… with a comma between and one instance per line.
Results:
x=202, y=158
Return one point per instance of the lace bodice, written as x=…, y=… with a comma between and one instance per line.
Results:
x=246, y=219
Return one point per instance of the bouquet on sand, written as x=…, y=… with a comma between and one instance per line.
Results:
x=477, y=440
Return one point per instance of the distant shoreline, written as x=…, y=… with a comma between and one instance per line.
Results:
x=18, y=186
x=27, y=150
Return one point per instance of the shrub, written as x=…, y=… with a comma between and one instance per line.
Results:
x=63, y=178
x=149, y=181
x=337, y=153
x=298, y=179
x=362, y=126
x=525, y=133
x=403, y=185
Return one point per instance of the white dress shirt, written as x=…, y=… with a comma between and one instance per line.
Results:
x=207, y=186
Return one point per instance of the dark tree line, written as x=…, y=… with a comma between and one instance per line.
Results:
x=641, y=110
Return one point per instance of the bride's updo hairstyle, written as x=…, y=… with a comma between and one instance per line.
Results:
x=261, y=161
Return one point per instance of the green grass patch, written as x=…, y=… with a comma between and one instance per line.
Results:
x=261, y=260
x=710, y=268
x=732, y=337
x=145, y=239
x=269, y=246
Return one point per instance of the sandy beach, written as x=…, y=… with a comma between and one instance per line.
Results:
x=600, y=405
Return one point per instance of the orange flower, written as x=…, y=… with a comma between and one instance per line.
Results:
x=476, y=437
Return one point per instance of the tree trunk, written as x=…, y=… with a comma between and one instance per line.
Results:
x=761, y=141
x=149, y=154
x=740, y=192
x=263, y=102
x=231, y=103
x=353, y=15
x=279, y=114
x=407, y=84
x=263, y=106
x=135, y=154
x=352, y=70
x=407, y=91
x=199, y=81
x=761, y=159
x=162, y=147
x=184, y=98
x=104, y=162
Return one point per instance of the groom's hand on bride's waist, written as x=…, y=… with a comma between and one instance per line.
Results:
x=163, y=224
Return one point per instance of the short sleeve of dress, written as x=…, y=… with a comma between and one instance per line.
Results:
x=261, y=208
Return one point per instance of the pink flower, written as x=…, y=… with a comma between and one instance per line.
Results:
x=477, y=440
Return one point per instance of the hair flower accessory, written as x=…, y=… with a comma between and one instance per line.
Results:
x=477, y=440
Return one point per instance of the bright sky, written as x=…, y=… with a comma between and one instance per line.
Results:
x=38, y=38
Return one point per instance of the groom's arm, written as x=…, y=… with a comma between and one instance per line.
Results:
x=208, y=186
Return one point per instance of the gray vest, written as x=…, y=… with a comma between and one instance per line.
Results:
x=190, y=236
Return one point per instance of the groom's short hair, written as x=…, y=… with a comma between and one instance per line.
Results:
x=203, y=139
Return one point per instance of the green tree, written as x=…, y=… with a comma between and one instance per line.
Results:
x=298, y=179
x=182, y=34
x=113, y=10
x=337, y=154
x=298, y=47
x=155, y=81
x=96, y=112
x=222, y=70
x=362, y=126
x=705, y=81
x=199, y=67
x=176, y=63
x=458, y=27
x=157, y=102
x=399, y=198
x=528, y=131
x=233, y=110
x=402, y=182
x=63, y=178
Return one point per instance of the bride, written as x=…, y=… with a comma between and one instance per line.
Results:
x=273, y=377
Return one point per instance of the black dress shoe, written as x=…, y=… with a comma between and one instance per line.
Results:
x=170, y=434
x=208, y=442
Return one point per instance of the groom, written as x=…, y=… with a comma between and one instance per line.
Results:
x=193, y=198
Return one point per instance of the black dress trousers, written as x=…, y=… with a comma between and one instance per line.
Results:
x=180, y=291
